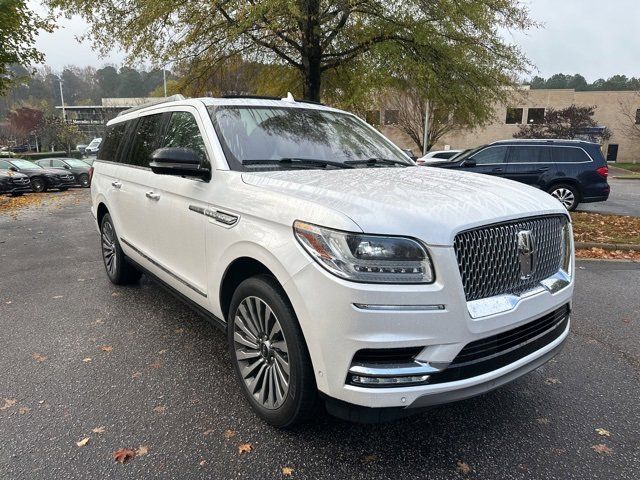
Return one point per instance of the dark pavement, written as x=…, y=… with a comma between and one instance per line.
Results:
x=623, y=200
x=166, y=384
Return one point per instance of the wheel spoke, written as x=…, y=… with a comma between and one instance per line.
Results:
x=282, y=362
x=247, y=354
x=243, y=341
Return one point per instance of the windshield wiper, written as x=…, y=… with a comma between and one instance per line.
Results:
x=377, y=161
x=302, y=162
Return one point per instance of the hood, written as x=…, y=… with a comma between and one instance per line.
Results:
x=427, y=203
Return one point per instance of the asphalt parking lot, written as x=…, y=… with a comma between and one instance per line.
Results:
x=623, y=200
x=136, y=366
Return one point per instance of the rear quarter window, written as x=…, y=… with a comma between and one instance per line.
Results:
x=569, y=155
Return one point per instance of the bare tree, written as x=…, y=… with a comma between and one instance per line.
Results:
x=629, y=109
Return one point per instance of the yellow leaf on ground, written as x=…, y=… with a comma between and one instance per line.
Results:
x=98, y=430
x=287, y=471
x=136, y=375
x=142, y=450
x=244, y=448
x=38, y=358
x=86, y=360
x=8, y=403
x=463, y=467
x=160, y=409
x=83, y=442
x=23, y=410
x=603, y=432
x=106, y=348
x=602, y=449
x=229, y=433
x=202, y=463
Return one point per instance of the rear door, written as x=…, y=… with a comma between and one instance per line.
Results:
x=531, y=164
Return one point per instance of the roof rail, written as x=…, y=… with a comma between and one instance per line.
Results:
x=538, y=140
x=172, y=98
x=267, y=97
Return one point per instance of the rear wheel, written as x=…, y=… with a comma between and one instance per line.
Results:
x=269, y=353
x=566, y=194
x=83, y=180
x=119, y=270
x=38, y=185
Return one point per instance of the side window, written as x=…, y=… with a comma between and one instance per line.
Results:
x=112, y=140
x=569, y=155
x=146, y=138
x=529, y=154
x=4, y=165
x=490, y=155
x=57, y=164
x=183, y=132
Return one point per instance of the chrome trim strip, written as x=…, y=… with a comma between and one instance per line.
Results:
x=163, y=268
x=503, y=303
x=225, y=218
x=406, y=308
x=414, y=368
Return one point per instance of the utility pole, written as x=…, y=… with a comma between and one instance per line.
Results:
x=425, y=141
x=64, y=115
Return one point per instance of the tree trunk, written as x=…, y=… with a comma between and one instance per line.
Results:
x=311, y=49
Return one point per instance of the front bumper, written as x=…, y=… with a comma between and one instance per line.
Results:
x=434, y=317
x=57, y=182
x=15, y=188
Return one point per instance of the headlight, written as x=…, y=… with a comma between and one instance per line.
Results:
x=366, y=258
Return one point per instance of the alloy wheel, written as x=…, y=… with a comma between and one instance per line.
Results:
x=37, y=185
x=261, y=352
x=109, y=249
x=565, y=196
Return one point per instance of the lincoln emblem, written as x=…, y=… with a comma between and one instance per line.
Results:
x=526, y=253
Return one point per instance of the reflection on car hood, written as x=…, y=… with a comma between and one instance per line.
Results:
x=430, y=204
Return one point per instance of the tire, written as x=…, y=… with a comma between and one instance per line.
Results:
x=118, y=269
x=63, y=189
x=567, y=195
x=38, y=185
x=83, y=180
x=264, y=346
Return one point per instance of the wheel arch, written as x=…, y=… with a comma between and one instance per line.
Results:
x=566, y=181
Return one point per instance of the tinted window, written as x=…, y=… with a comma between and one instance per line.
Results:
x=146, y=138
x=4, y=165
x=490, y=155
x=529, y=154
x=57, y=163
x=569, y=155
x=535, y=115
x=183, y=132
x=111, y=142
x=44, y=163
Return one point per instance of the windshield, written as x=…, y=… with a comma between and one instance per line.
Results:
x=95, y=142
x=466, y=154
x=25, y=164
x=280, y=137
x=75, y=163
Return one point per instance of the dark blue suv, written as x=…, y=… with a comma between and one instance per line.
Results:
x=573, y=171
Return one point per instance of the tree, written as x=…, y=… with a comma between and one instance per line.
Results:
x=130, y=83
x=55, y=132
x=314, y=37
x=23, y=122
x=18, y=30
x=107, y=79
x=567, y=123
x=630, y=112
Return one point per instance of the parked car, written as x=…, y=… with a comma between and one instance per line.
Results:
x=79, y=168
x=573, y=171
x=81, y=147
x=42, y=179
x=340, y=270
x=93, y=146
x=14, y=183
x=437, y=154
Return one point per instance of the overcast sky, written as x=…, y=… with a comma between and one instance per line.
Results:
x=593, y=37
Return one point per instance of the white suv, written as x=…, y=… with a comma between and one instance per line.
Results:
x=342, y=273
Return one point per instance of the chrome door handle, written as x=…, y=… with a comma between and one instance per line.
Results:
x=153, y=196
x=116, y=184
x=498, y=169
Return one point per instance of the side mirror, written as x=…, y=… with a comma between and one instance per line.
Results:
x=67, y=166
x=469, y=162
x=409, y=154
x=13, y=169
x=182, y=162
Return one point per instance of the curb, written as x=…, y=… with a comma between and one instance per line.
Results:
x=626, y=177
x=608, y=246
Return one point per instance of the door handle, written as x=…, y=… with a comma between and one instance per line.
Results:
x=497, y=169
x=116, y=184
x=153, y=196
x=543, y=169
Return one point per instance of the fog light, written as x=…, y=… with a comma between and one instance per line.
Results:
x=388, y=381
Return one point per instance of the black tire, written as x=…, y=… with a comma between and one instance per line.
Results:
x=83, y=180
x=63, y=189
x=300, y=399
x=566, y=194
x=118, y=269
x=38, y=185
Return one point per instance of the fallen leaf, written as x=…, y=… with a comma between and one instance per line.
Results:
x=287, y=471
x=8, y=403
x=542, y=420
x=99, y=321
x=160, y=409
x=156, y=364
x=602, y=449
x=106, y=348
x=98, y=430
x=229, y=433
x=23, y=410
x=463, y=467
x=58, y=296
x=207, y=432
x=202, y=463
x=8, y=302
x=83, y=442
x=86, y=360
x=142, y=450
x=162, y=352
x=551, y=381
x=123, y=454
x=603, y=432
x=136, y=375
x=38, y=358
x=115, y=294
x=244, y=448
x=626, y=320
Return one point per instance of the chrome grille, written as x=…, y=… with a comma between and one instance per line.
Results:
x=21, y=181
x=488, y=256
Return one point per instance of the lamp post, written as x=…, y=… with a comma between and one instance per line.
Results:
x=64, y=115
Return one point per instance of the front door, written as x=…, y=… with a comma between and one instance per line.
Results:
x=490, y=160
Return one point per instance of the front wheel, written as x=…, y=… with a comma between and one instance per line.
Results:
x=83, y=180
x=119, y=270
x=38, y=185
x=269, y=354
x=567, y=195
